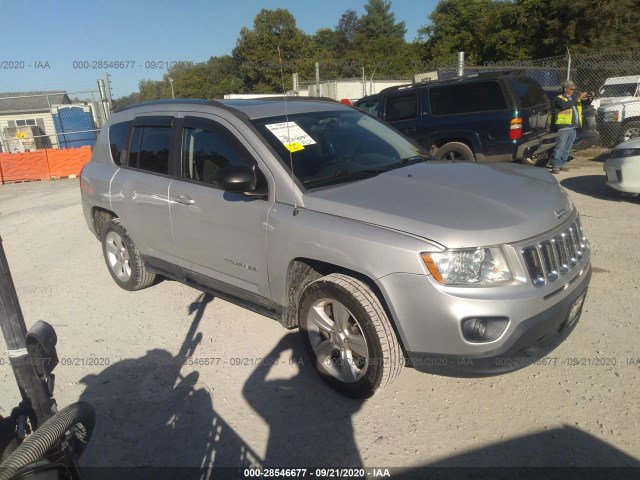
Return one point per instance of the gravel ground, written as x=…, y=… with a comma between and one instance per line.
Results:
x=179, y=378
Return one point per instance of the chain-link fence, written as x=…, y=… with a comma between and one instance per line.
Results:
x=612, y=80
x=613, y=76
x=55, y=119
x=351, y=89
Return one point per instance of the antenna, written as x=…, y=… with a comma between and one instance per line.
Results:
x=286, y=117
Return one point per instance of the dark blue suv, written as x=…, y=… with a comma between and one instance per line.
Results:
x=501, y=116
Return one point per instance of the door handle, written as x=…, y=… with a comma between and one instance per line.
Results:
x=184, y=199
x=412, y=130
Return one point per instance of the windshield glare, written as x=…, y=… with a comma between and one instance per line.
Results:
x=334, y=147
x=618, y=90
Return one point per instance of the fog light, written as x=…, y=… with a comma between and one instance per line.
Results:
x=483, y=329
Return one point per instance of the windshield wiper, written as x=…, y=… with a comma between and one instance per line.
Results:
x=370, y=171
x=404, y=162
x=343, y=174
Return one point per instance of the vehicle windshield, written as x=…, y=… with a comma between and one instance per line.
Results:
x=618, y=90
x=332, y=147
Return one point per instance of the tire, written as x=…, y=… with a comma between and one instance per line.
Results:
x=123, y=259
x=541, y=161
x=455, y=151
x=348, y=336
x=629, y=131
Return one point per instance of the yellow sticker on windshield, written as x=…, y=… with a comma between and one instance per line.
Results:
x=291, y=135
x=294, y=146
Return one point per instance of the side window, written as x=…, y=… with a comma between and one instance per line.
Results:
x=466, y=98
x=404, y=107
x=370, y=106
x=206, y=150
x=117, y=139
x=529, y=92
x=150, y=149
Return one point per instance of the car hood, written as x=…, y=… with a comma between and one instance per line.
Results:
x=633, y=143
x=455, y=204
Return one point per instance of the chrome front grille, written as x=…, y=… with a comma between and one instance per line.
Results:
x=555, y=255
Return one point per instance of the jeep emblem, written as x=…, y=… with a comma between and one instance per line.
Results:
x=560, y=213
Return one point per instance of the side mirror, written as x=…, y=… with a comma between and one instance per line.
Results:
x=237, y=178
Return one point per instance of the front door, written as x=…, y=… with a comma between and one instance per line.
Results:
x=221, y=237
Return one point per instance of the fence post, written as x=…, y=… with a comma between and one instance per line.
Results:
x=317, y=79
x=460, y=64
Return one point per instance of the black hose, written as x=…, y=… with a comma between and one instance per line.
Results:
x=45, y=437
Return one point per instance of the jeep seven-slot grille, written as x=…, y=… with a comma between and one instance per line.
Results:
x=555, y=255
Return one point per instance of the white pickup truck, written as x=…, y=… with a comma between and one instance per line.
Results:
x=618, y=109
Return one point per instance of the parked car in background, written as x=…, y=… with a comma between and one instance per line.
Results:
x=587, y=135
x=618, y=109
x=618, y=89
x=623, y=167
x=619, y=122
x=499, y=116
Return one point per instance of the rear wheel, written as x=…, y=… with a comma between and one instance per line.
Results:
x=538, y=161
x=454, y=151
x=123, y=259
x=348, y=336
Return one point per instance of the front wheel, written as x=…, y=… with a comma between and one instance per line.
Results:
x=630, y=130
x=348, y=336
x=124, y=262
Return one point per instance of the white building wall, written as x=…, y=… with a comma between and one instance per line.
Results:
x=49, y=129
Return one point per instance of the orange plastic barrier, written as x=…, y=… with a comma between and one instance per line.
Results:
x=63, y=163
x=18, y=167
x=42, y=164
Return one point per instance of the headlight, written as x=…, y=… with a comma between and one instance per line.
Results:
x=611, y=116
x=478, y=266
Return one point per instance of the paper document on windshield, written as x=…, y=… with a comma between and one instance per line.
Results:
x=291, y=135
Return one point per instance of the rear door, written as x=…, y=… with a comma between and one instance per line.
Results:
x=140, y=188
x=532, y=103
x=221, y=236
x=473, y=110
x=403, y=111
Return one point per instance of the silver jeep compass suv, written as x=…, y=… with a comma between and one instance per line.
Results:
x=322, y=217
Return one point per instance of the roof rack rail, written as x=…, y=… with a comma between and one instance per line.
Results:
x=492, y=74
x=168, y=101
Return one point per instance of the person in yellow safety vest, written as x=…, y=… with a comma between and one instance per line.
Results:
x=567, y=118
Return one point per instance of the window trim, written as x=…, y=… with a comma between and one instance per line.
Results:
x=398, y=95
x=152, y=121
x=212, y=125
x=505, y=96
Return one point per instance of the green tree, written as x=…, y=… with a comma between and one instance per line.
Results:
x=379, y=41
x=483, y=29
x=581, y=25
x=274, y=46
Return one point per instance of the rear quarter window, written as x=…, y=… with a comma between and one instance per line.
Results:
x=467, y=98
x=117, y=139
x=528, y=91
x=369, y=106
x=149, y=149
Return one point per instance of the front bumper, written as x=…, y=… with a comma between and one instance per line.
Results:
x=609, y=132
x=528, y=343
x=585, y=139
x=623, y=174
